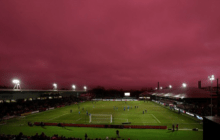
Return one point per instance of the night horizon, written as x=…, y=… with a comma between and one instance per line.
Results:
x=113, y=44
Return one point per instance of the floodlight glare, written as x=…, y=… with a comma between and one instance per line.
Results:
x=156, y=88
x=170, y=86
x=85, y=87
x=184, y=85
x=54, y=86
x=15, y=81
x=17, y=84
x=212, y=77
x=74, y=87
x=161, y=87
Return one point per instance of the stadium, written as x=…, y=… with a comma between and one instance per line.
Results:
x=171, y=113
x=109, y=69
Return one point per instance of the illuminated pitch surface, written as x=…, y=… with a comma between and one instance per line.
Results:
x=156, y=114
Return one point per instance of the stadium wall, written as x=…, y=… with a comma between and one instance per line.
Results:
x=211, y=127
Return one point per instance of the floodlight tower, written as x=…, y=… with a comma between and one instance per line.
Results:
x=55, y=86
x=184, y=85
x=211, y=78
x=74, y=87
x=85, y=88
x=17, y=84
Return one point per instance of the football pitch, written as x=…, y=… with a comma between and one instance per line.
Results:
x=155, y=115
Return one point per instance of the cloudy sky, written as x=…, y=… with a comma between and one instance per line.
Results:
x=127, y=44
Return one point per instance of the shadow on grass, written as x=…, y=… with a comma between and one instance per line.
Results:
x=43, y=127
x=170, y=131
x=67, y=128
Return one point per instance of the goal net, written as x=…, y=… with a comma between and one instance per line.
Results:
x=100, y=118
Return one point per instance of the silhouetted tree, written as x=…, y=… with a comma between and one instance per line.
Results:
x=98, y=91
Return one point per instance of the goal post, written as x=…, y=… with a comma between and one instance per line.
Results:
x=100, y=118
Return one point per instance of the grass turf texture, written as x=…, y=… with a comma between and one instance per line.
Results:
x=156, y=115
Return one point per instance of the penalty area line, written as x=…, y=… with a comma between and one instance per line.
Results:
x=155, y=118
x=78, y=119
x=57, y=117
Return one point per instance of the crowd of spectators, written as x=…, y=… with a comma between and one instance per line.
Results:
x=199, y=108
x=42, y=136
x=203, y=109
x=22, y=106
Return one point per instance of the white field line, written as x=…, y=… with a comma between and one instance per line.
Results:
x=44, y=112
x=74, y=113
x=120, y=119
x=146, y=122
x=39, y=113
x=78, y=119
x=134, y=114
x=57, y=117
x=100, y=119
x=155, y=118
x=39, y=118
x=98, y=122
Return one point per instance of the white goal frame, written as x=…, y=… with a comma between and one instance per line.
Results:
x=102, y=115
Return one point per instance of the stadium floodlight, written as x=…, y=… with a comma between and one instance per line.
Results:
x=161, y=87
x=155, y=88
x=55, y=86
x=85, y=87
x=17, y=84
x=170, y=86
x=74, y=87
x=211, y=78
x=184, y=85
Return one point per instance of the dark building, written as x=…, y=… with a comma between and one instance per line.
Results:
x=211, y=127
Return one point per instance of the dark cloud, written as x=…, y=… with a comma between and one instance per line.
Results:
x=128, y=44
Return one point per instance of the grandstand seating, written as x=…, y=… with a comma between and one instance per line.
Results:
x=20, y=107
x=199, y=108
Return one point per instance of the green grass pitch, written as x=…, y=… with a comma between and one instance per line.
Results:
x=156, y=115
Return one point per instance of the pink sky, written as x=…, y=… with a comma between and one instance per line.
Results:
x=116, y=44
